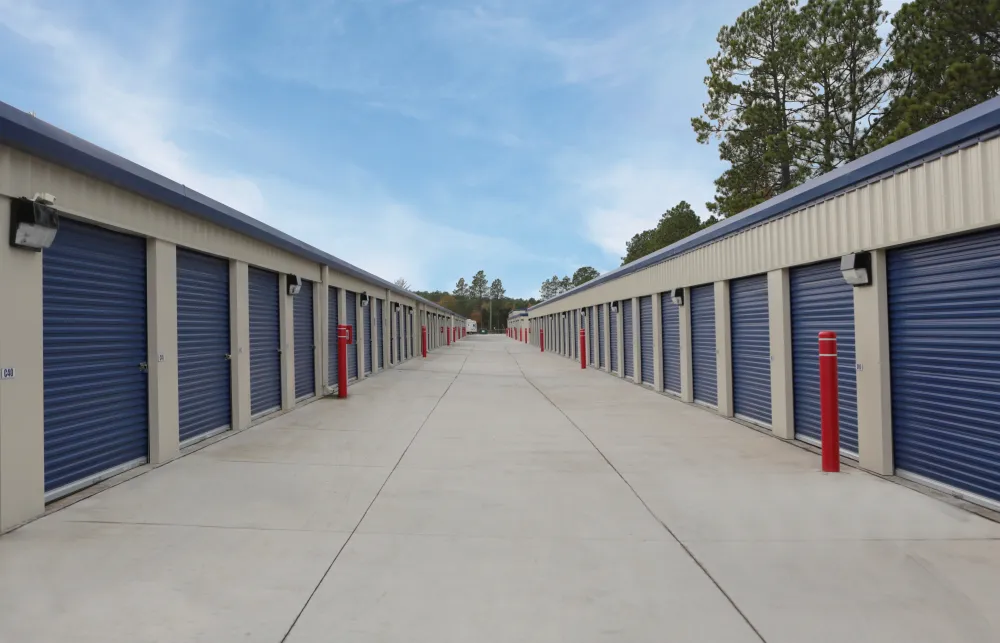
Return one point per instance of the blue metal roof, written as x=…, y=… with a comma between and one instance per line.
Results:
x=34, y=136
x=966, y=127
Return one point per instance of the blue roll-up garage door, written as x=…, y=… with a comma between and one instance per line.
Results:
x=406, y=343
x=670, y=333
x=944, y=316
x=333, y=311
x=600, y=336
x=409, y=323
x=94, y=355
x=590, y=331
x=366, y=318
x=822, y=300
x=646, y=339
x=751, y=339
x=265, y=342
x=614, y=339
x=703, y=344
x=203, y=358
x=575, y=337
x=380, y=321
x=628, y=349
x=305, y=342
x=351, y=314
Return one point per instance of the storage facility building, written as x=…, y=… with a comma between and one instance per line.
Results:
x=158, y=318
x=728, y=318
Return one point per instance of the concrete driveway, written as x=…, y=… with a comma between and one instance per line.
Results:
x=493, y=494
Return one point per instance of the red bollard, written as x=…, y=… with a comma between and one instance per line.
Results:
x=423, y=341
x=541, y=340
x=828, y=401
x=345, y=336
x=583, y=349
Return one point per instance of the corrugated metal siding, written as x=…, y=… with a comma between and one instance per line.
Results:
x=628, y=337
x=203, y=359
x=380, y=321
x=304, y=338
x=600, y=335
x=944, y=315
x=352, y=320
x=333, y=313
x=703, y=344
x=822, y=300
x=751, y=339
x=948, y=194
x=265, y=342
x=94, y=340
x=613, y=320
x=646, y=339
x=590, y=331
x=671, y=335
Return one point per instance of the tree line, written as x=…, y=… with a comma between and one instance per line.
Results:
x=479, y=299
x=800, y=88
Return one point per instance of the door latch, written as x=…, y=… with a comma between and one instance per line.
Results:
x=229, y=356
x=143, y=367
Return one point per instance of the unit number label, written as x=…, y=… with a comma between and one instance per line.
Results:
x=7, y=373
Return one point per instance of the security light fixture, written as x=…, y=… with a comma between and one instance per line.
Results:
x=677, y=296
x=364, y=298
x=294, y=284
x=614, y=307
x=396, y=306
x=857, y=268
x=583, y=312
x=33, y=222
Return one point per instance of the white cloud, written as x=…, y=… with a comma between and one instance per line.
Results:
x=133, y=103
x=628, y=196
x=123, y=99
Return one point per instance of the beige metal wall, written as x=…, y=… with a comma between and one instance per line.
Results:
x=956, y=193
x=22, y=495
x=947, y=195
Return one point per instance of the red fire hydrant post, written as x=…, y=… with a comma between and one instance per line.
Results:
x=345, y=336
x=423, y=341
x=541, y=340
x=829, y=401
x=583, y=349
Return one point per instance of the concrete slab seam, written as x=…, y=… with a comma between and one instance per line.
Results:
x=333, y=562
x=663, y=524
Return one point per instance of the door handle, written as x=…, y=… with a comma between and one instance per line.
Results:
x=143, y=367
x=229, y=356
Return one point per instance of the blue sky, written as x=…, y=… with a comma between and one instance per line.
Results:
x=422, y=139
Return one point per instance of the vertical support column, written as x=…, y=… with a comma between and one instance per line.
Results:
x=320, y=314
x=636, y=342
x=360, y=337
x=286, y=310
x=723, y=349
x=324, y=334
x=239, y=343
x=22, y=409
x=780, y=320
x=658, y=342
x=620, y=323
x=687, y=350
x=871, y=324
x=161, y=306
x=607, y=337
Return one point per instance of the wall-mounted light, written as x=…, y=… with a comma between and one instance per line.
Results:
x=857, y=268
x=294, y=284
x=33, y=222
x=396, y=306
x=614, y=307
x=677, y=296
x=365, y=298
x=583, y=312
